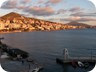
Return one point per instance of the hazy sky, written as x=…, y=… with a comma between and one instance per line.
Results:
x=53, y=10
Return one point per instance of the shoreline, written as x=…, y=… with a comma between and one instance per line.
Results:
x=40, y=30
x=8, y=32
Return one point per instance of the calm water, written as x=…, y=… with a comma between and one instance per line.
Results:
x=45, y=47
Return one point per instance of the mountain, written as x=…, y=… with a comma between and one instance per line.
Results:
x=15, y=17
x=74, y=23
x=11, y=15
x=16, y=22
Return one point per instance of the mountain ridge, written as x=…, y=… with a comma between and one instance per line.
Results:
x=75, y=23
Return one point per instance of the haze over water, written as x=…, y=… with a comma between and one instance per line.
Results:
x=45, y=47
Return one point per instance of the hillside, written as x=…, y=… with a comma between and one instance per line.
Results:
x=16, y=22
x=74, y=23
x=11, y=15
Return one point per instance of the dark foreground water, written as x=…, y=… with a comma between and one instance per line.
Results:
x=45, y=47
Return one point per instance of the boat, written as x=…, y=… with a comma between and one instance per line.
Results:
x=84, y=64
x=80, y=64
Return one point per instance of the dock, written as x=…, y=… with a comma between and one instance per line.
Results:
x=88, y=59
x=68, y=59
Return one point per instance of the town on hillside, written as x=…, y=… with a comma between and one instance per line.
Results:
x=14, y=22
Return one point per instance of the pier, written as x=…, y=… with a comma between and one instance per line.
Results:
x=67, y=58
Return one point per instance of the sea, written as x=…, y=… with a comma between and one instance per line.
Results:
x=46, y=46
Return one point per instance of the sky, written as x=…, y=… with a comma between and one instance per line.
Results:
x=61, y=11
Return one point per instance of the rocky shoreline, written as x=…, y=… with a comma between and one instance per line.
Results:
x=17, y=59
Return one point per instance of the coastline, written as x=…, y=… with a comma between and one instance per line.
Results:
x=7, y=32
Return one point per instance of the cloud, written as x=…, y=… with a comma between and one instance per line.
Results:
x=72, y=10
x=10, y=4
x=87, y=19
x=40, y=11
x=83, y=14
x=17, y=4
x=21, y=7
x=61, y=11
x=31, y=9
x=25, y=1
x=73, y=18
x=55, y=1
x=40, y=1
x=52, y=2
x=77, y=18
x=75, y=9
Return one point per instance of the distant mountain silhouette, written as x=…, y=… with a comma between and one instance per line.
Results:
x=74, y=23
